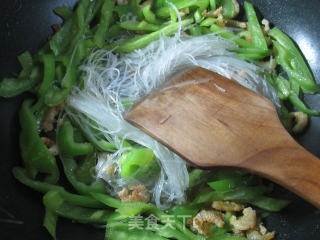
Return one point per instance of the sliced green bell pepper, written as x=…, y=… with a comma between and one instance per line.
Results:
x=67, y=145
x=290, y=59
x=141, y=41
x=27, y=79
x=230, y=10
x=150, y=16
x=139, y=26
x=252, y=53
x=48, y=61
x=70, y=166
x=105, y=19
x=64, y=12
x=194, y=176
x=34, y=153
x=254, y=27
x=136, y=163
x=164, y=11
x=198, y=30
x=11, y=87
x=269, y=204
x=54, y=201
x=50, y=222
x=43, y=187
x=229, y=35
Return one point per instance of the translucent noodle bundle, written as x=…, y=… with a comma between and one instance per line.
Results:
x=111, y=81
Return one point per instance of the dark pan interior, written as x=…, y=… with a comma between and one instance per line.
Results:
x=25, y=25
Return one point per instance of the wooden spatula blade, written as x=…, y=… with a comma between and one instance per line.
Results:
x=206, y=117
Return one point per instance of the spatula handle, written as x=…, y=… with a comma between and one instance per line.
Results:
x=291, y=166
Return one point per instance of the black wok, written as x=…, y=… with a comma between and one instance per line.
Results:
x=25, y=25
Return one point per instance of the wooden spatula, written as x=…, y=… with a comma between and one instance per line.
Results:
x=212, y=121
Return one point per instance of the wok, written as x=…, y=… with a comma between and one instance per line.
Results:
x=25, y=25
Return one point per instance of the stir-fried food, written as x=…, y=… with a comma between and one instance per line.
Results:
x=105, y=57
